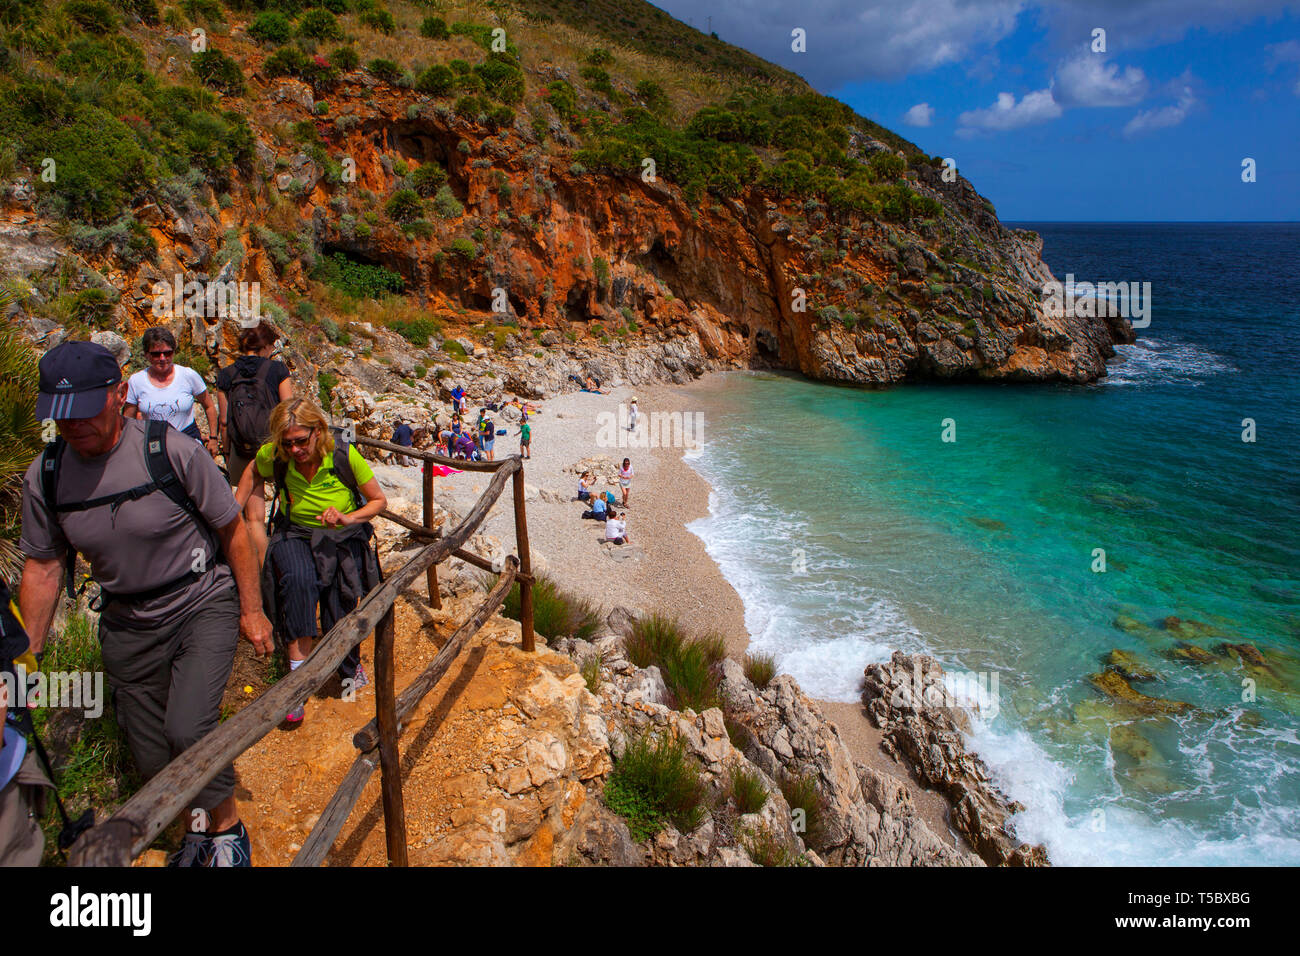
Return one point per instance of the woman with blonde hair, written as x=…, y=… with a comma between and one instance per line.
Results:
x=319, y=554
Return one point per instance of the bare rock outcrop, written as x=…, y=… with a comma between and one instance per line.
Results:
x=924, y=727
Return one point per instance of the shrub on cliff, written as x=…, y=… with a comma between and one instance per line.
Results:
x=146, y=10
x=271, y=26
x=886, y=167
x=380, y=20
x=344, y=58
x=804, y=797
x=760, y=669
x=360, y=280
x=437, y=80
x=655, y=782
x=463, y=248
x=689, y=667
x=318, y=24
x=446, y=204
x=435, y=28
x=404, y=205
x=747, y=790
x=429, y=178
x=93, y=16
x=384, y=69
x=417, y=331
x=219, y=71
x=286, y=61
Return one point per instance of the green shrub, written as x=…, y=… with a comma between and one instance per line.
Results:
x=556, y=613
x=885, y=166
x=219, y=71
x=357, y=279
x=417, y=332
x=385, y=69
x=502, y=78
x=325, y=383
x=747, y=790
x=801, y=793
x=286, y=61
x=20, y=436
x=380, y=20
x=456, y=351
x=653, y=638
x=655, y=783
x=146, y=10
x=318, y=24
x=689, y=667
x=463, y=248
x=429, y=178
x=344, y=58
x=93, y=16
x=602, y=274
x=599, y=56
x=437, y=80
x=404, y=205
x=435, y=28
x=208, y=11
x=447, y=205
x=765, y=849
x=652, y=95
x=561, y=95
x=271, y=26
x=591, y=673
x=760, y=669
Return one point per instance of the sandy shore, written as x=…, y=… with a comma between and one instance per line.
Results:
x=666, y=567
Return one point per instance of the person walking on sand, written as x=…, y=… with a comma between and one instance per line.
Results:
x=526, y=439
x=632, y=416
x=625, y=479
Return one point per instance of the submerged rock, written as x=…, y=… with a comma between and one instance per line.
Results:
x=1117, y=688
x=1128, y=666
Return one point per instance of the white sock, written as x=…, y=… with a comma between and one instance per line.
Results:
x=294, y=665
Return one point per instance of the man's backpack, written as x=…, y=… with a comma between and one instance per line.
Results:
x=162, y=477
x=249, y=403
x=340, y=468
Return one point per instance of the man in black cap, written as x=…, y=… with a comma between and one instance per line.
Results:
x=177, y=573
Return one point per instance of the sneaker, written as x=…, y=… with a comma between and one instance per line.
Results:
x=196, y=850
x=296, y=715
x=360, y=679
x=231, y=848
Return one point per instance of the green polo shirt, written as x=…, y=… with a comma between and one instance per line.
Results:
x=311, y=498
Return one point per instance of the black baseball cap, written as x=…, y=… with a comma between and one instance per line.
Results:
x=75, y=379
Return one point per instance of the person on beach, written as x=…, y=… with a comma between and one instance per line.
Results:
x=466, y=448
x=402, y=435
x=526, y=439
x=584, y=485
x=632, y=415
x=319, y=555
x=599, y=510
x=247, y=390
x=165, y=391
x=487, y=435
x=458, y=401
x=625, y=478
x=166, y=542
x=616, y=528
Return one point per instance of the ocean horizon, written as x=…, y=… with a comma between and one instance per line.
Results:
x=1154, y=514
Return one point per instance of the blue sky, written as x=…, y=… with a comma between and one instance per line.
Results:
x=1156, y=127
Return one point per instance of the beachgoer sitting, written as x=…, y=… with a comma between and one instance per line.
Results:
x=466, y=448
x=616, y=528
x=585, y=484
x=599, y=510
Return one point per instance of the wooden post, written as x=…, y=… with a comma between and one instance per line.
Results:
x=435, y=598
x=525, y=565
x=389, y=759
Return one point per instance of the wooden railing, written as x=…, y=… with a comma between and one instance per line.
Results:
x=136, y=824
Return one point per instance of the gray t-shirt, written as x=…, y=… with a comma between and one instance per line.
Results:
x=147, y=542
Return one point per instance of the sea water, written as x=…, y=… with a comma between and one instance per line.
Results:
x=1061, y=523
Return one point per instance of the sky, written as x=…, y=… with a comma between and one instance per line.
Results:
x=1150, y=121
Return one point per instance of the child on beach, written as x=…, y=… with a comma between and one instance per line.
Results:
x=599, y=511
x=625, y=476
x=525, y=439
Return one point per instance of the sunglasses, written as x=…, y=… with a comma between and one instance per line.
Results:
x=289, y=444
x=167, y=354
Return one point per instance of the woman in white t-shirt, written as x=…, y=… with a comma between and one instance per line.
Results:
x=625, y=479
x=616, y=528
x=167, y=392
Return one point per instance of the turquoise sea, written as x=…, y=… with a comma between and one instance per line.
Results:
x=850, y=529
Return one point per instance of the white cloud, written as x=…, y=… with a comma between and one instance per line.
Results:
x=1164, y=117
x=922, y=114
x=1088, y=80
x=1006, y=113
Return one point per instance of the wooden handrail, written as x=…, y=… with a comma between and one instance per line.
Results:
x=138, y=821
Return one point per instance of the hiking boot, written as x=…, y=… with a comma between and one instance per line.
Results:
x=231, y=848
x=196, y=850
x=296, y=715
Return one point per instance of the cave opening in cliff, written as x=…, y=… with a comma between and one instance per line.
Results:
x=766, y=348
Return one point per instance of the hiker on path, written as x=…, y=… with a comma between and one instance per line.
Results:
x=247, y=391
x=165, y=391
x=319, y=555
x=177, y=573
x=402, y=435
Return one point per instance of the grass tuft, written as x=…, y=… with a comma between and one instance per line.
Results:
x=802, y=794
x=653, y=784
x=556, y=613
x=689, y=666
x=760, y=669
x=747, y=790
